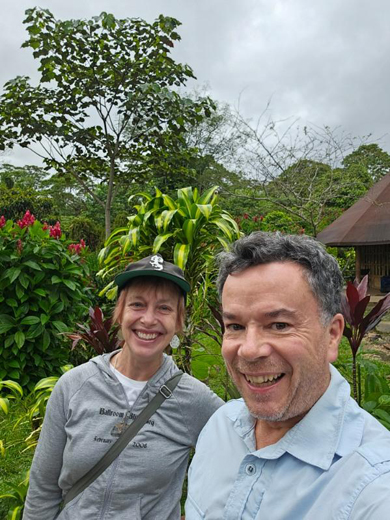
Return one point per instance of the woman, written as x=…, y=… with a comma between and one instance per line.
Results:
x=93, y=403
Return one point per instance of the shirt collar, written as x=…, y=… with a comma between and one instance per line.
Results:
x=332, y=427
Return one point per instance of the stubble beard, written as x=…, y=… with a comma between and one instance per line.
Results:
x=295, y=405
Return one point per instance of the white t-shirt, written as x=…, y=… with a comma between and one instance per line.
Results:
x=131, y=387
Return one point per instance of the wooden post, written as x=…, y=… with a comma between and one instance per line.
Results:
x=357, y=263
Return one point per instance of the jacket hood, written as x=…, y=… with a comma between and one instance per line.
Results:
x=166, y=370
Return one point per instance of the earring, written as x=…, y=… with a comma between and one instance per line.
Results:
x=175, y=342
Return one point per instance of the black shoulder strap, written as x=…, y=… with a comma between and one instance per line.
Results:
x=164, y=392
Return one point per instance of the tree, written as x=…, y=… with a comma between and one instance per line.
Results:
x=297, y=171
x=370, y=156
x=106, y=106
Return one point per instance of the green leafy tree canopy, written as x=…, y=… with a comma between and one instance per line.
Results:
x=106, y=101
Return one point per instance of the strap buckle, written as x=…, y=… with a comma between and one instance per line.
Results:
x=165, y=392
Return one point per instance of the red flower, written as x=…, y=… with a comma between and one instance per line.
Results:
x=27, y=220
x=76, y=249
x=255, y=219
x=45, y=226
x=2, y=221
x=55, y=231
x=246, y=216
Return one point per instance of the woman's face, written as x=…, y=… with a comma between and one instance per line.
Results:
x=149, y=320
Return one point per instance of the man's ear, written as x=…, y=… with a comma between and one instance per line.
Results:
x=335, y=333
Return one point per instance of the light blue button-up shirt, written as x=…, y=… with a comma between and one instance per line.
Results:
x=332, y=465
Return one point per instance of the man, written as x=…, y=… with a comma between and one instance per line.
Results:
x=296, y=446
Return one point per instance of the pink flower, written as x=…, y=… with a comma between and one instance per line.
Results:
x=2, y=221
x=76, y=249
x=45, y=226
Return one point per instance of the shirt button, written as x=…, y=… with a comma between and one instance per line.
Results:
x=250, y=469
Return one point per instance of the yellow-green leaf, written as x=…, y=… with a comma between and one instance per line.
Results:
x=4, y=404
x=159, y=240
x=111, y=294
x=207, y=195
x=180, y=255
x=189, y=227
x=134, y=236
x=225, y=243
x=47, y=382
x=205, y=210
x=12, y=385
x=224, y=227
x=2, y=449
x=163, y=220
x=168, y=201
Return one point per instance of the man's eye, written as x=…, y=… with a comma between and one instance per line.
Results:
x=279, y=325
x=234, y=327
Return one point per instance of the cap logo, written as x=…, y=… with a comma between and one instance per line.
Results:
x=157, y=262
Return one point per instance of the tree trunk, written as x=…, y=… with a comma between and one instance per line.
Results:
x=110, y=198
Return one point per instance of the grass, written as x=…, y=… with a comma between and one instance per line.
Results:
x=16, y=461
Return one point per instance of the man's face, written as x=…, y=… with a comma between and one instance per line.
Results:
x=275, y=347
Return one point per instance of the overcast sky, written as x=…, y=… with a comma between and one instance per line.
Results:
x=323, y=61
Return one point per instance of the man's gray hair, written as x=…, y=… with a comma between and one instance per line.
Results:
x=321, y=270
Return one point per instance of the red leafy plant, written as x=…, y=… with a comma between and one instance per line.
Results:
x=100, y=334
x=357, y=323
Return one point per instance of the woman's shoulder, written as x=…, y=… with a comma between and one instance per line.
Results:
x=198, y=390
x=75, y=378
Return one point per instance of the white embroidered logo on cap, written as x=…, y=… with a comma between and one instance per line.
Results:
x=157, y=262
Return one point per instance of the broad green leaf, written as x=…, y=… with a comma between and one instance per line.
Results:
x=70, y=284
x=13, y=273
x=180, y=255
x=5, y=327
x=159, y=240
x=233, y=223
x=47, y=382
x=168, y=201
x=60, y=326
x=11, y=302
x=30, y=320
x=19, y=338
x=207, y=195
x=33, y=265
x=224, y=227
x=134, y=235
x=189, y=229
x=186, y=194
x=205, y=209
x=14, y=363
x=224, y=242
x=4, y=404
x=7, y=319
x=45, y=340
x=111, y=294
x=12, y=385
x=24, y=281
x=8, y=342
x=384, y=400
x=40, y=292
x=56, y=279
x=164, y=219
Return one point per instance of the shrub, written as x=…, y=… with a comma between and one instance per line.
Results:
x=82, y=228
x=14, y=201
x=43, y=292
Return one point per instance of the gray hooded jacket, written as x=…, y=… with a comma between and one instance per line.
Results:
x=85, y=415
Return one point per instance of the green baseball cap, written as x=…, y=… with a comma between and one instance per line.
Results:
x=153, y=265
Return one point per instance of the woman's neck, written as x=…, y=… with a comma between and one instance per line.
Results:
x=133, y=368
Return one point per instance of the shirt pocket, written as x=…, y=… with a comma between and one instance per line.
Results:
x=193, y=511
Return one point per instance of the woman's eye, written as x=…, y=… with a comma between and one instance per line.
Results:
x=165, y=308
x=136, y=305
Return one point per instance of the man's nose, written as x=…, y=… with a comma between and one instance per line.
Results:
x=255, y=345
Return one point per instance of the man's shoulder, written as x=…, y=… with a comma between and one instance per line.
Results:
x=375, y=445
